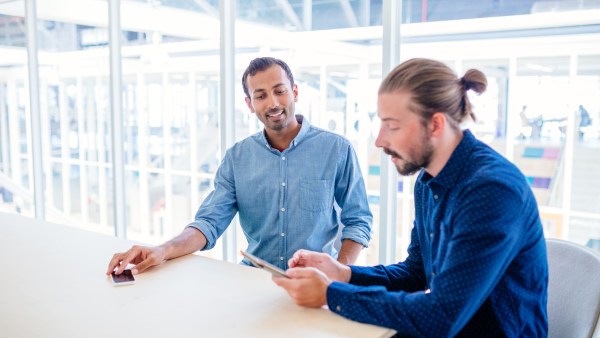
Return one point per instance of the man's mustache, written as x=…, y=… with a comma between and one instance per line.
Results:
x=391, y=152
x=276, y=111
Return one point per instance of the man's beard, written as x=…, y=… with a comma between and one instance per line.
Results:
x=278, y=125
x=420, y=159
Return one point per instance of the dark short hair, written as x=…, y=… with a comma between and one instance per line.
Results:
x=262, y=64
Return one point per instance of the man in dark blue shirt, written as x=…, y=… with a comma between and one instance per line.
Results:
x=477, y=264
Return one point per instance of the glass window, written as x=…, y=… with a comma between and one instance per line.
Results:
x=16, y=181
x=171, y=115
x=541, y=109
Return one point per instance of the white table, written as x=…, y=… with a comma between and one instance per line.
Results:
x=53, y=284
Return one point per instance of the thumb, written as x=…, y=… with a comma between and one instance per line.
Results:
x=142, y=266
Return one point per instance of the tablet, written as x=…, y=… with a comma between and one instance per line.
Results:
x=259, y=263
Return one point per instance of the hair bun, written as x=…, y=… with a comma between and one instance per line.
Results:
x=474, y=80
x=465, y=84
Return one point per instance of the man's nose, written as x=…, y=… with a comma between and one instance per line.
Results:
x=379, y=141
x=273, y=102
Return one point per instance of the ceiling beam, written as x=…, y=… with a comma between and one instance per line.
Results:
x=208, y=8
x=349, y=13
x=290, y=13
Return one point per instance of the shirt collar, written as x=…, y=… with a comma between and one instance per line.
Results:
x=304, y=127
x=453, y=168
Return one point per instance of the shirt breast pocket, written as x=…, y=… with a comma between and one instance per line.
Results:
x=315, y=195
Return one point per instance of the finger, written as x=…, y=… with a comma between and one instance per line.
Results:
x=281, y=281
x=114, y=262
x=129, y=256
x=299, y=258
x=293, y=262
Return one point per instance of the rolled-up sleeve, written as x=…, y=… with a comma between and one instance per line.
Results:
x=219, y=207
x=351, y=196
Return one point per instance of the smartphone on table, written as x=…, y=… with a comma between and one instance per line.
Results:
x=259, y=263
x=124, y=278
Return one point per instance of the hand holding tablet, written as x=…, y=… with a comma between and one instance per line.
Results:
x=259, y=263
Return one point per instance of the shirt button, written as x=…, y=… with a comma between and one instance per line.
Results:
x=282, y=209
x=432, y=274
x=435, y=197
x=280, y=258
x=282, y=234
x=338, y=308
x=283, y=184
x=283, y=158
x=431, y=234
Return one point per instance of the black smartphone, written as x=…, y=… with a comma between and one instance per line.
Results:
x=124, y=278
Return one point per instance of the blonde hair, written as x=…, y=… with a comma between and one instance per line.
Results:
x=434, y=87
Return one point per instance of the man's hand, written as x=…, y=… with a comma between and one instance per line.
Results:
x=142, y=257
x=190, y=240
x=323, y=262
x=307, y=286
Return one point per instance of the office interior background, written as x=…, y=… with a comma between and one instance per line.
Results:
x=541, y=109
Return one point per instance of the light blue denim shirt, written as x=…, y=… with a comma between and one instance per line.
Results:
x=286, y=199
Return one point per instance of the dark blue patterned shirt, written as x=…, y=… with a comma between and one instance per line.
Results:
x=477, y=263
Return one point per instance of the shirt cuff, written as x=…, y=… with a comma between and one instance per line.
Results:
x=339, y=298
x=361, y=275
x=208, y=231
x=357, y=235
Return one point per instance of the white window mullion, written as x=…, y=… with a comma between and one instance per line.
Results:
x=116, y=120
x=142, y=110
x=34, y=125
x=227, y=108
x=193, y=104
x=167, y=105
x=83, y=149
x=391, y=17
x=13, y=122
x=513, y=121
x=571, y=136
x=4, y=131
x=46, y=144
x=64, y=147
x=101, y=159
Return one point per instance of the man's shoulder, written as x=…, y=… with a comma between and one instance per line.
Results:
x=252, y=142
x=486, y=167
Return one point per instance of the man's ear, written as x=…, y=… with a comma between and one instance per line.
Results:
x=249, y=104
x=438, y=124
x=295, y=90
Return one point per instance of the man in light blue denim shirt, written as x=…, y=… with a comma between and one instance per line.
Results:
x=284, y=181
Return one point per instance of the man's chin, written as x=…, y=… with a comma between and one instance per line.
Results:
x=407, y=171
x=277, y=126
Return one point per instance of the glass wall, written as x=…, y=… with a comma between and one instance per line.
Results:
x=16, y=180
x=541, y=110
x=171, y=115
x=75, y=115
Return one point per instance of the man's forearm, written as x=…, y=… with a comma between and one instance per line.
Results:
x=349, y=252
x=190, y=240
